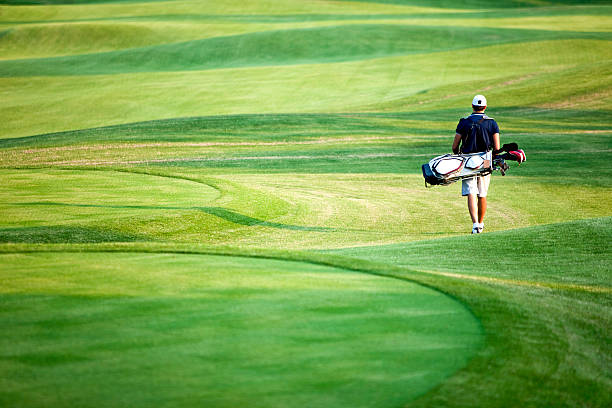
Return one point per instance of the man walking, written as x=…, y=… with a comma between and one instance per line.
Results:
x=476, y=133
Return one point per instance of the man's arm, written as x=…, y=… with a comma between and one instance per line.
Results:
x=458, y=140
x=496, y=145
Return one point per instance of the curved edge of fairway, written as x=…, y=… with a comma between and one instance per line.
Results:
x=512, y=318
x=545, y=308
x=348, y=263
x=364, y=332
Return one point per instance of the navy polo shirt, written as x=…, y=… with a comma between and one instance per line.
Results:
x=489, y=128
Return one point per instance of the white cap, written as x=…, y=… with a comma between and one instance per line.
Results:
x=479, y=100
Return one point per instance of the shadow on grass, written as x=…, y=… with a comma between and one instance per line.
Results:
x=220, y=212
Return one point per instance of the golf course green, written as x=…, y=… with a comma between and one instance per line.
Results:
x=221, y=204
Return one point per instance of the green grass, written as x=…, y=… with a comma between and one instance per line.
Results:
x=545, y=295
x=65, y=103
x=586, y=253
x=483, y=3
x=220, y=330
x=286, y=47
x=220, y=204
x=48, y=40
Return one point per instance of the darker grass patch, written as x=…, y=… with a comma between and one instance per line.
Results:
x=313, y=165
x=296, y=127
x=227, y=128
x=84, y=235
x=47, y=359
x=241, y=219
x=5, y=32
x=60, y=234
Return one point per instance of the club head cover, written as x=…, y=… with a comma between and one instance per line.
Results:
x=507, y=147
x=519, y=155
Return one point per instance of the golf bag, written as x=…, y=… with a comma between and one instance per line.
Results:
x=449, y=168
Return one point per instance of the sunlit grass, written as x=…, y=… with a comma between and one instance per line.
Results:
x=220, y=204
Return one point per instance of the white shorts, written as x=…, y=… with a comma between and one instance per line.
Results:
x=476, y=185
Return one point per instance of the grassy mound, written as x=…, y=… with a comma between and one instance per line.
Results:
x=543, y=254
x=544, y=297
x=223, y=331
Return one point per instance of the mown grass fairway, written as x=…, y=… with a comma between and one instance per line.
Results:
x=220, y=204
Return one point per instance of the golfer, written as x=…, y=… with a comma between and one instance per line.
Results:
x=476, y=133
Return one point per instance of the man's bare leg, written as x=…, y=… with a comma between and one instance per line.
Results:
x=482, y=209
x=473, y=207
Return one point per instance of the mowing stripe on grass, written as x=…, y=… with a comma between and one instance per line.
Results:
x=335, y=140
x=226, y=159
x=517, y=282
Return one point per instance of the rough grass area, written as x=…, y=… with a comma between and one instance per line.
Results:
x=221, y=204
